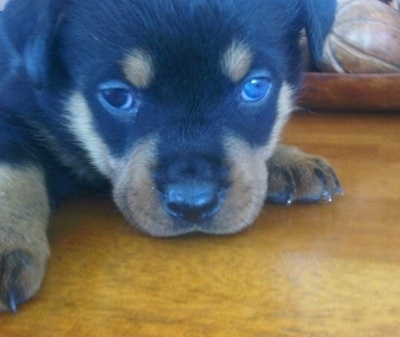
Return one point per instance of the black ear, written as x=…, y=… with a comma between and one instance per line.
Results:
x=318, y=16
x=30, y=26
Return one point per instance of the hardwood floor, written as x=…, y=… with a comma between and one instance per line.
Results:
x=322, y=270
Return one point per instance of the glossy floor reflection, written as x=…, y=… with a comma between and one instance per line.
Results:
x=301, y=270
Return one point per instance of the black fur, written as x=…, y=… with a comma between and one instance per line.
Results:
x=61, y=46
x=189, y=127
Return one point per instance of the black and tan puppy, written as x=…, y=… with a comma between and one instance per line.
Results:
x=174, y=106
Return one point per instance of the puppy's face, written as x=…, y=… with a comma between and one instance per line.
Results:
x=180, y=104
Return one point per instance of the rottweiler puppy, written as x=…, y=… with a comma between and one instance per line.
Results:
x=175, y=107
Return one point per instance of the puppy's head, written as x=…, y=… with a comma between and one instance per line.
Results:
x=179, y=103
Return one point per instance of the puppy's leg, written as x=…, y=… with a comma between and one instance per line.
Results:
x=297, y=176
x=24, y=212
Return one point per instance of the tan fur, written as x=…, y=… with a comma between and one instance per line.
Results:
x=285, y=107
x=249, y=172
x=236, y=61
x=24, y=210
x=81, y=124
x=136, y=195
x=300, y=171
x=248, y=180
x=138, y=68
x=135, y=192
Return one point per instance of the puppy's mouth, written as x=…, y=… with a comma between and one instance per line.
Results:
x=170, y=197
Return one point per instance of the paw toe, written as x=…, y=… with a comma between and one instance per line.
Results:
x=300, y=177
x=17, y=278
x=321, y=186
x=281, y=186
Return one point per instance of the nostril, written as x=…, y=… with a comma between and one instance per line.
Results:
x=192, y=202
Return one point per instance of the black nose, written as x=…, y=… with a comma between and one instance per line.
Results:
x=192, y=202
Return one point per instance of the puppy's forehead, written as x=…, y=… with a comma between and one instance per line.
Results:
x=236, y=61
x=138, y=68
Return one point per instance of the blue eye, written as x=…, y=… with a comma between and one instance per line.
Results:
x=256, y=89
x=118, y=98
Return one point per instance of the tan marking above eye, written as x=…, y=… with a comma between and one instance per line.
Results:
x=236, y=61
x=138, y=68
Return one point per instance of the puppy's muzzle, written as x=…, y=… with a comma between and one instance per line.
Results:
x=191, y=190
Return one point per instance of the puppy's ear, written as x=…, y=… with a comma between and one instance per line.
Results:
x=318, y=16
x=30, y=26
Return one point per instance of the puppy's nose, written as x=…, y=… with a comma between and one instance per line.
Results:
x=192, y=202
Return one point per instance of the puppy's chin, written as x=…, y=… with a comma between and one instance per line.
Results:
x=136, y=194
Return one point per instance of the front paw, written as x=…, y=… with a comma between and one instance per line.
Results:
x=297, y=176
x=24, y=249
x=21, y=273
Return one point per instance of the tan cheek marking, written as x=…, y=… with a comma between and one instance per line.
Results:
x=236, y=61
x=285, y=108
x=138, y=68
x=135, y=192
x=249, y=186
x=81, y=124
x=249, y=172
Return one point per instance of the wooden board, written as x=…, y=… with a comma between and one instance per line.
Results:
x=324, y=270
x=345, y=92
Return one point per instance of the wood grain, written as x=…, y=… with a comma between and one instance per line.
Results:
x=300, y=271
x=345, y=92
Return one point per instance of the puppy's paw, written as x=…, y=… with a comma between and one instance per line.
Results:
x=21, y=273
x=24, y=249
x=297, y=176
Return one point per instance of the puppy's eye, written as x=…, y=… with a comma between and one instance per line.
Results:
x=118, y=98
x=255, y=89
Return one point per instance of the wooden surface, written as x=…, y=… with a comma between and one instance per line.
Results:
x=300, y=271
x=351, y=92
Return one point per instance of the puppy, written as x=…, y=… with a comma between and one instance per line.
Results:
x=175, y=107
